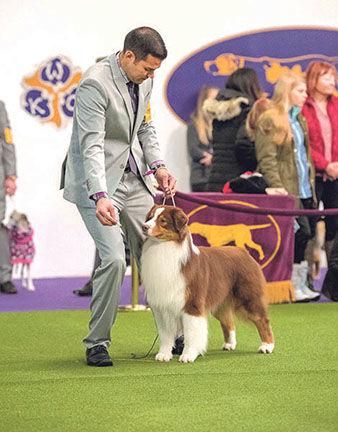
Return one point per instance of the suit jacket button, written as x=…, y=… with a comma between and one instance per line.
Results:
x=122, y=166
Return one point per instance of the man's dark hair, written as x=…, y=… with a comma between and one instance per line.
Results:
x=143, y=41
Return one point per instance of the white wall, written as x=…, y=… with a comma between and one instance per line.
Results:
x=32, y=30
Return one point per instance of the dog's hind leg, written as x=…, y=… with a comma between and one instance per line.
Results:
x=167, y=329
x=265, y=332
x=30, y=285
x=226, y=319
x=22, y=276
x=260, y=318
x=16, y=271
x=195, y=330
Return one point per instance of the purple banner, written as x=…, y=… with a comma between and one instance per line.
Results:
x=269, y=239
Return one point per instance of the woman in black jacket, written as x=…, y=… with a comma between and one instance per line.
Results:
x=229, y=112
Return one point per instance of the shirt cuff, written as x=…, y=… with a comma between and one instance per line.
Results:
x=157, y=163
x=96, y=196
x=154, y=166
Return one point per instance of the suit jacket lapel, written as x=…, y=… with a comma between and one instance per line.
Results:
x=122, y=87
x=140, y=110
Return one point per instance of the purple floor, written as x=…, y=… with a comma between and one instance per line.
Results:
x=57, y=294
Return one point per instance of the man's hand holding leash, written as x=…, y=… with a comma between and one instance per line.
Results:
x=166, y=181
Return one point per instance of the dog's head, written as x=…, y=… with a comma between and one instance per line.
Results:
x=166, y=223
x=19, y=220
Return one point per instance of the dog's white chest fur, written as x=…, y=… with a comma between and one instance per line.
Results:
x=164, y=283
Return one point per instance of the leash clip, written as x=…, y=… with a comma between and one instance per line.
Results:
x=172, y=199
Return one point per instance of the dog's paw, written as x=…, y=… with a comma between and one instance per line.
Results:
x=163, y=357
x=266, y=348
x=229, y=346
x=188, y=357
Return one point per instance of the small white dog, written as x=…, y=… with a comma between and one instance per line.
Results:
x=22, y=247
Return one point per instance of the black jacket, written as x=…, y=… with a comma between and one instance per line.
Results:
x=233, y=152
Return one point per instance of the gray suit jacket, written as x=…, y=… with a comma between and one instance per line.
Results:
x=104, y=132
x=7, y=156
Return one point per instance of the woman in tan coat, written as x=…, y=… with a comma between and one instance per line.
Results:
x=284, y=159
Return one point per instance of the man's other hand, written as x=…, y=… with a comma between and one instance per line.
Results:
x=105, y=212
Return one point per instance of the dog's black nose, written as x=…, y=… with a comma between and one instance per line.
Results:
x=145, y=228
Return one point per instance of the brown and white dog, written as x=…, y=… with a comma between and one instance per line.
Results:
x=185, y=283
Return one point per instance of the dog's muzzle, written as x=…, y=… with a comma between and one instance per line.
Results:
x=145, y=228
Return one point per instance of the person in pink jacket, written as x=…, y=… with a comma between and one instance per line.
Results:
x=321, y=113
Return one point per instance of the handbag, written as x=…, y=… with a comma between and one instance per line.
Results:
x=249, y=183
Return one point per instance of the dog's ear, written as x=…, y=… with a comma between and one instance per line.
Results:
x=151, y=212
x=24, y=222
x=180, y=219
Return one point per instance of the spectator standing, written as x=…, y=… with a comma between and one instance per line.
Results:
x=284, y=159
x=7, y=187
x=321, y=112
x=229, y=112
x=199, y=141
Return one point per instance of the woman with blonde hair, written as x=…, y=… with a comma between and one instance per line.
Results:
x=199, y=140
x=321, y=112
x=284, y=159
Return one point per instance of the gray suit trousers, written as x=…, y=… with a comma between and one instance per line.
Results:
x=5, y=259
x=132, y=202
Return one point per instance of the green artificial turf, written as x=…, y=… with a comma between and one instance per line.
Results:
x=46, y=386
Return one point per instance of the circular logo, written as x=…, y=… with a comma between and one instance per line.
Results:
x=260, y=235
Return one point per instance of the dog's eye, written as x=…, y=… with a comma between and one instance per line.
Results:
x=163, y=222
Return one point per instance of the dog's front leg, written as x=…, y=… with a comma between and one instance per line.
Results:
x=195, y=330
x=167, y=328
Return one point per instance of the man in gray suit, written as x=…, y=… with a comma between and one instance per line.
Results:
x=7, y=187
x=112, y=150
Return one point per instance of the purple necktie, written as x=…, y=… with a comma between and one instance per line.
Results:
x=133, y=91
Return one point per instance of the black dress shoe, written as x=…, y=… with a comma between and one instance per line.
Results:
x=86, y=290
x=8, y=288
x=98, y=356
x=179, y=346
